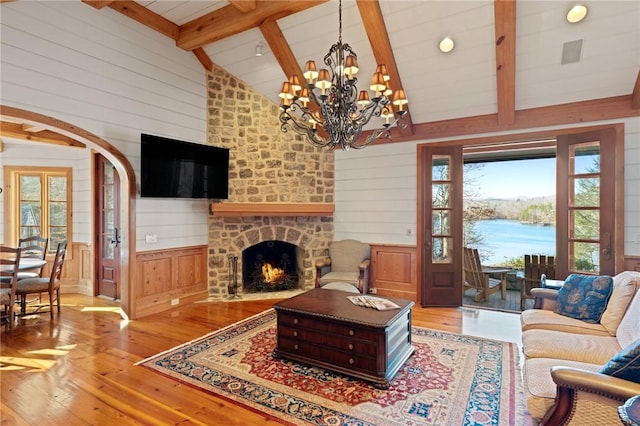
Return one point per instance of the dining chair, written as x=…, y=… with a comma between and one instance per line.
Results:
x=34, y=247
x=50, y=285
x=9, y=260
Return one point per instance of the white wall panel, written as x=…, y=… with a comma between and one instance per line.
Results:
x=107, y=74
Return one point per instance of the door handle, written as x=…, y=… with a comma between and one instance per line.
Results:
x=115, y=240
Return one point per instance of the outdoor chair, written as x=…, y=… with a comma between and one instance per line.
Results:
x=534, y=266
x=9, y=260
x=347, y=265
x=50, y=285
x=478, y=278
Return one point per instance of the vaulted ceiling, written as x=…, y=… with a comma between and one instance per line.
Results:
x=504, y=73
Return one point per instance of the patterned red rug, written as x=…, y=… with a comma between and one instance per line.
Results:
x=450, y=380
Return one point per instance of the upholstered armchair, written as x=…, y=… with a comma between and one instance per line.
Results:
x=348, y=262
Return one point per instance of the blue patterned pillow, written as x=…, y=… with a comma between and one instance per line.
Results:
x=584, y=297
x=625, y=364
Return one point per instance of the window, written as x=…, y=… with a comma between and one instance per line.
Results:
x=39, y=203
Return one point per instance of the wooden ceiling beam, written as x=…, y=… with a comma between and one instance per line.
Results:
x=17, y=131
x=505, y=28
x=98, y=4
x=616, y=107
x=229, y=21
x=204, y=59
x=635, y=95
x=244, y=6
x=281, y=50
x=152, y=20
x=284, y=55
x=373, y=22
x=146, y=17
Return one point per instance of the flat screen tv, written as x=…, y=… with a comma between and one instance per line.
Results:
x=176, y=169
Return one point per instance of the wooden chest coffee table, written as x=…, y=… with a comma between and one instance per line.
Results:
x=323, y=328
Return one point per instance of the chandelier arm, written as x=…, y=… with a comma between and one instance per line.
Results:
x=338, y=108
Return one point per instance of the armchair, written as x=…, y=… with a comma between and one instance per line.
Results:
x=348, y=262
x=586, y=397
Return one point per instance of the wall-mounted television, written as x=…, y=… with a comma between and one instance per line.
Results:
x=172, y=168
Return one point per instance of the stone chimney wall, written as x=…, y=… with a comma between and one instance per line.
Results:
x=266, y=166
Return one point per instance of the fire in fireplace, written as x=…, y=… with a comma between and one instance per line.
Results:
x=269, y=266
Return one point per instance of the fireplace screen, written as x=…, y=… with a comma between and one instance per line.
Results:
x=269, y=266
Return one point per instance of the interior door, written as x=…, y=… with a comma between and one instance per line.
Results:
x=108, y=232
x=588, y=195
x=440, y=225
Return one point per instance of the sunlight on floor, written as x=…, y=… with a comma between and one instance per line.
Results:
x=9, y=363
x=113, y=309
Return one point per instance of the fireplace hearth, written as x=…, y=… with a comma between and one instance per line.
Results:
x=270, y=266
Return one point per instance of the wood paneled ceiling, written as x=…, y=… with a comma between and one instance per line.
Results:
x=505, y=72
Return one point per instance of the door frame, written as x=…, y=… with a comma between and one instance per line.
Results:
x=100, y=161
x=127, y=190
x=618, y=129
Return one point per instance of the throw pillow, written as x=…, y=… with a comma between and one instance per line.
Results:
x=625, y=364
x=584, y=297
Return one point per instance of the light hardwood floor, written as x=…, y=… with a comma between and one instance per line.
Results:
x=79, y=368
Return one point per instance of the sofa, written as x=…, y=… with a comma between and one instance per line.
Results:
x=571, y=369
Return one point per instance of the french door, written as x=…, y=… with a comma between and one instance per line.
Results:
x=440, y=225
x=108, y=232
x=590, y=190
x=589, y=210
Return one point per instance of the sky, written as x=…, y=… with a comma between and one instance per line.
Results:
x=514, y=179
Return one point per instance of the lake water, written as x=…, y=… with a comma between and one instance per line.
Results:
x=510, y=238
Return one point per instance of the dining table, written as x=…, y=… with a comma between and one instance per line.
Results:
x=26, y=263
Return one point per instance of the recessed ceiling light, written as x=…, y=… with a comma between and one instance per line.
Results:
x=577, y=13
x=446, y=45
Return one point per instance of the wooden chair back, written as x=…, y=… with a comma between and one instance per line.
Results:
x=9, y=260
x=534, y=267
x=33, y=247
x=476, y=278
x=473, y=276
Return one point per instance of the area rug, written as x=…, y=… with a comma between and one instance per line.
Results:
x=451, y=379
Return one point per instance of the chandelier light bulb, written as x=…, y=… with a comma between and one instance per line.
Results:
x=310, y=72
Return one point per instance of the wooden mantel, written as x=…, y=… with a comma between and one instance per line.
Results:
x=271, y=209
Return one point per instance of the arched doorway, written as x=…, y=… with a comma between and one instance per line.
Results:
x=127, y=187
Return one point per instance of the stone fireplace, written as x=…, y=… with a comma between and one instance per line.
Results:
x=280, y=187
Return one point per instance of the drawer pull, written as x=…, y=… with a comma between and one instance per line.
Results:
x=351, y=361
x=351, y=332
x=295, y=320
x=350, y=346
x=295, y=334
x=295, y=347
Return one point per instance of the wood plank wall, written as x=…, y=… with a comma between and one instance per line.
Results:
x=393, y=271
x=170, y=277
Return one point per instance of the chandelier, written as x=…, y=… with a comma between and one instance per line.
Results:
x=330, y=111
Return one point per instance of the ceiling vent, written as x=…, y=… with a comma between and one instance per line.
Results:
x=571, y=52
